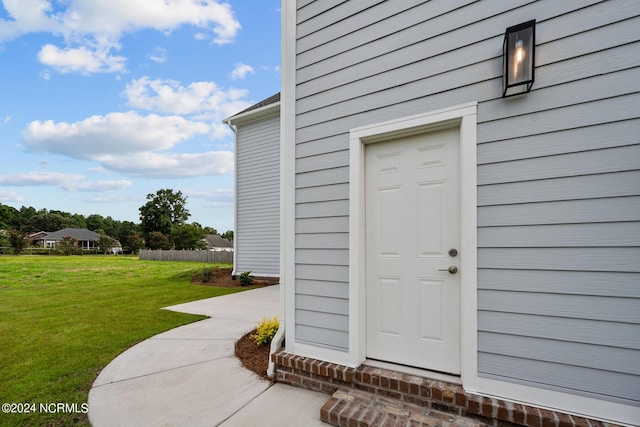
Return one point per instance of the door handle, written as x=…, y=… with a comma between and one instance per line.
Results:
x=452, y=269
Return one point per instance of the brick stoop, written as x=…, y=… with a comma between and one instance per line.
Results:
x=357, y=408
x=425, y=393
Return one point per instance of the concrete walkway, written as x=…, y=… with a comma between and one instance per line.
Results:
x=189, y=376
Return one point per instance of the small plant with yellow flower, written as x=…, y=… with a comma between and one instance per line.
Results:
x=266, y=330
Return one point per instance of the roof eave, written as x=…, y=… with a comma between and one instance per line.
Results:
x=252, y=115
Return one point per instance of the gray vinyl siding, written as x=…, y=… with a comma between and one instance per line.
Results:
x=257, y=230
x=558, y=173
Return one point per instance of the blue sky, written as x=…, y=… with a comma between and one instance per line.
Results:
x=105, y=101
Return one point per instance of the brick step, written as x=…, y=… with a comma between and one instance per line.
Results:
x=352, y=407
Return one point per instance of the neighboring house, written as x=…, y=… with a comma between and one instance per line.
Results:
x=257, y=188
x=435, y=228
x=87, y=240
x=37, y=237
x=218, y=243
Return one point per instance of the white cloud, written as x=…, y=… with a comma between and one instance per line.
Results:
x=113, y=198
x=220, y=197
x=66, y=181
x=119, y=134
x=170, y=96
x=82, y=60
x=97, y=186
x=38, y=179
x=129, y=143
x=6, y=120
x=10, y=196
x=220, y=131
x=241, y=71
x=93, y=28
x=158, y=55
x=93, y=18
x=172, y=165
x=27, y=16
x=117, y=17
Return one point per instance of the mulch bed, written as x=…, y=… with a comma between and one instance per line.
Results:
x=222, y=277
x=253, y=357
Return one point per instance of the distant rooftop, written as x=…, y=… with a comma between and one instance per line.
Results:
x=216, y=241
x=77, y=233
x=270, y=100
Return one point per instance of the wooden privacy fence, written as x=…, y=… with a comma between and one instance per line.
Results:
x=195, y=256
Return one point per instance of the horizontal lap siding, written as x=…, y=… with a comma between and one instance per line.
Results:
x=558, y=171
x=336, y=33
x=258, y=200
x=559, y=217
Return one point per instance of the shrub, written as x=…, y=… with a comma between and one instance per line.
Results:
x=245, y=278
x=68, y=245
x=158, y=240
x=207, y=275
x=135, y=242
x=17, y=241
x=266, y=330
x=105, y=243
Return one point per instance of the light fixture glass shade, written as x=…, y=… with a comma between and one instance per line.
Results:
x=518, y=59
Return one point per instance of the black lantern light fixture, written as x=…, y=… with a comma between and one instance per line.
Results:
x=518, y=59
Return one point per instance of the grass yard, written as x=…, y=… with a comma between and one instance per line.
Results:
x=62, y=319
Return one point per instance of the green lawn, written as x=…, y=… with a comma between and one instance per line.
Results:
x=62, y=319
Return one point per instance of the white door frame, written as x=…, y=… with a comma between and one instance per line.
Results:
x=463, y=117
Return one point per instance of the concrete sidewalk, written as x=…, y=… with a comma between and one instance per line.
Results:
x=189, y=376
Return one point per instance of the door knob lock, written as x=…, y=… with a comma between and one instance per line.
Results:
x=453, y=252
x=452, y=269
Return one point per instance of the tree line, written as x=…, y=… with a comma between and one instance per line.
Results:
x=163, y=224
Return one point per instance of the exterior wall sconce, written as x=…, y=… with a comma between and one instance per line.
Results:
x=518, y=59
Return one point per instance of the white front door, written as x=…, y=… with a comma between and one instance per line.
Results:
x=412, y=223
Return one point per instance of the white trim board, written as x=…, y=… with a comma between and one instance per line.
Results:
x=253, y=115
x=288, y=173
x=321, y=353
x=235, y=197
x=460, y=116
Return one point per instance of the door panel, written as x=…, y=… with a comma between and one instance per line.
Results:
x=412, y=220
x=431, y=313
x=430, y=199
